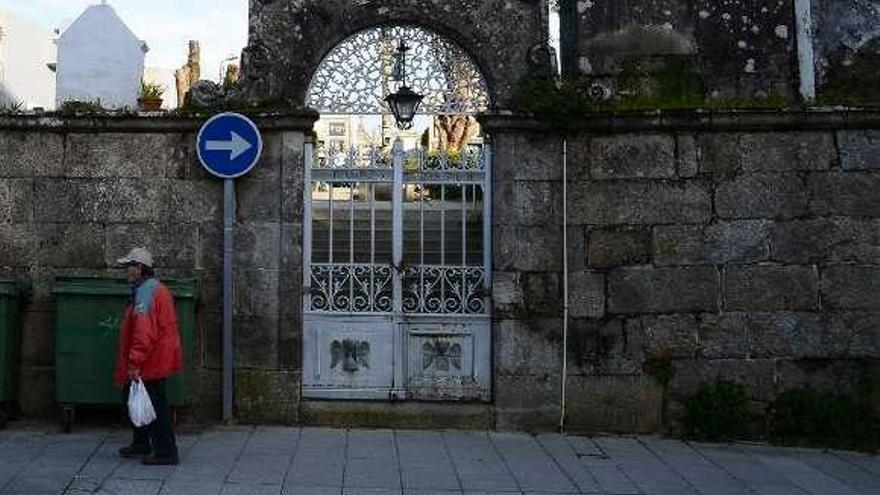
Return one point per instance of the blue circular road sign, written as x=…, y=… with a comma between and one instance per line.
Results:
x=229, y=145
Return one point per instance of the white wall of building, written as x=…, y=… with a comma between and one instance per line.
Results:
x=164, y=78
x=99, y=58
x=25, y=50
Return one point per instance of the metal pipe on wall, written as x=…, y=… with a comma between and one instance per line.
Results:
x=565, y=298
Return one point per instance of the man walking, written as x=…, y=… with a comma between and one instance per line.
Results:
x=149, y=349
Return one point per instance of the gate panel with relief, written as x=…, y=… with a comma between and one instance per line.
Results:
x=397, y=266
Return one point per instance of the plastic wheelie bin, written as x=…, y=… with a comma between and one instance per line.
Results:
x=89, y=313
x=11, y=292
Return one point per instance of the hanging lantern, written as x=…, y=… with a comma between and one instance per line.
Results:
x=405, y=102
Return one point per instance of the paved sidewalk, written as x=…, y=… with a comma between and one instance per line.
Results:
x=269, y=460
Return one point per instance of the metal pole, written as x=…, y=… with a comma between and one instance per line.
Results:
x=228, y=254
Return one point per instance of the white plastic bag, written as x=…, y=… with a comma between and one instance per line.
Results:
x=140, y=408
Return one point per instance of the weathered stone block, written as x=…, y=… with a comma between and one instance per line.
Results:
x=118, y=155
x=210, y=336
x=258, y=200
x=17, y=245
x=859, y=150
x=537, y=248
x=267, y=397
x=793, y=335
x=292, y=157
x=38, y=338
x=611, y=248
x=662, y=290
x=172, y=246
x=257, y=245
x=192, y=201
x=605, y=347
x=542, y=293
x=726, y=155
x=504, y=248
x=614, y=403
x=207, y=405
x=291, y=246
x=770, y=288
x=528, y=347
x=832, y=376
x=687, y=156
x=762, y=196
x=110, y=200
x=527, y=402
x=632, y=157
x=745, y=241
x=36, y=392
x=31, y=154
x=256, y=292
x=757, y=375
x=16, y=200
x=586, y=295
x=665, y=336
x=270, y=165
x=723, y=336
x=537, y=203
x=851, y=287
x=642, y=203
x=845, y=193
x=507, y=293
x=745, y=47
x=256, y=341
x=538, y=158
x=292, y=202
x=861, y=331
x=826, y=239
x=71, y=245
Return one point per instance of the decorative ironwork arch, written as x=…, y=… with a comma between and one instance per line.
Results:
x=357, y=75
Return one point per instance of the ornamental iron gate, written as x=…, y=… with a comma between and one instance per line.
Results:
x=397, y=271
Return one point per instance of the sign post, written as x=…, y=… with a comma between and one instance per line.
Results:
x=229, y=146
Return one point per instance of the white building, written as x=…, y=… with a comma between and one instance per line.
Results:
x=99, y=58
x=26, y=50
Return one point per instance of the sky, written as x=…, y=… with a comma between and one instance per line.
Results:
x=166, y=26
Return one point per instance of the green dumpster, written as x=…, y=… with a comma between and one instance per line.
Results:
x=10, y=343
x=89, y=312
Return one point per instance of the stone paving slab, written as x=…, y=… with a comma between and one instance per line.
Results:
x=322, y=461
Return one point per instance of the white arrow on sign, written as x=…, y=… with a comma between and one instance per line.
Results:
x=236, y=146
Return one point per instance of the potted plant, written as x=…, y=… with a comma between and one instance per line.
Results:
x=151, y=96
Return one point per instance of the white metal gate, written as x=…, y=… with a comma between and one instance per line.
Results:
x=397, y=271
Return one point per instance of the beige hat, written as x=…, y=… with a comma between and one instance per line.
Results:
x=137, y=255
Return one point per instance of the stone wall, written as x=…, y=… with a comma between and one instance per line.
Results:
x=735, y=245
x=847, y=49
x=739, y=49
x=288, y=40
x=74, y=194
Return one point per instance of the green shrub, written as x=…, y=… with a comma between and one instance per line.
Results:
x=809, y=417
x=717, y=412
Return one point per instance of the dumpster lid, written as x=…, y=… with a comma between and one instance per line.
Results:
x=11, y=287
x=94, y=286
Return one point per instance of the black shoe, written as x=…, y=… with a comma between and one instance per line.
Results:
x=154, y=460
x=134, y=451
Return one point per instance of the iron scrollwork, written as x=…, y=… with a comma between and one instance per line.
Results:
x=358, y=74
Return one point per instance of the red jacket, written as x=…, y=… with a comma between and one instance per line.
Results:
x=149, y=338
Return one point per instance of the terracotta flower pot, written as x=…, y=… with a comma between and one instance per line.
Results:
x=150, y=104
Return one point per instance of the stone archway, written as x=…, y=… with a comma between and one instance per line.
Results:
x=288, y=39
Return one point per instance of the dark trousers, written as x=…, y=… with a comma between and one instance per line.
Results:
x=158, y=435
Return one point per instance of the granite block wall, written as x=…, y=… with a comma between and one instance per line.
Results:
x=743, y=246
x=76, y=193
